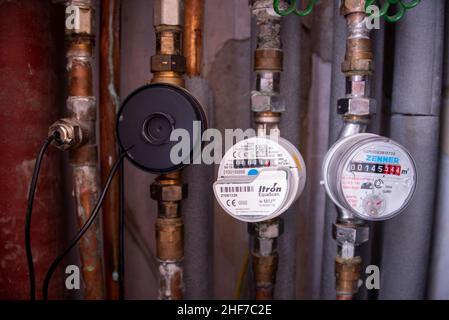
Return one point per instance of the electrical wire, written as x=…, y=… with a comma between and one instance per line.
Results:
x=121, y=285
x=84, y=228
x=29, y=211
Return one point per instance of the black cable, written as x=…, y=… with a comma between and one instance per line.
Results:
x=121, y=286
x=83, y=229
x=29, y=211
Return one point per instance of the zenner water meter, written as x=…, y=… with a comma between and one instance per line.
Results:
x=371, y=176
x=259, y=178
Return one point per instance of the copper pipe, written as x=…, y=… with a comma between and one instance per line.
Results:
x=109, y=104
x=193, y=35
x=83, y=159
x=265, y=269
x=168, y=66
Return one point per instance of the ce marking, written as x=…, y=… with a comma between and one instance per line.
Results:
x=230, y=203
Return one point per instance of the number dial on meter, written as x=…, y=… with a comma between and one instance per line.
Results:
x=259, y=178
x=371, y=176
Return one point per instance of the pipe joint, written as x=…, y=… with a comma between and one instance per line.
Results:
x=69, y=134
x=355, y=234
x=347, y=275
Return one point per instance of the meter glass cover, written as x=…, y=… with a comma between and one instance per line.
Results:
x=259, y=178
x=377, y=179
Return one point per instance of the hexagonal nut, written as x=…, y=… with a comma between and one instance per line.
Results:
x=168, y=12
x=68, y=134
x=356, y=234
x=268, y=82
x=267, y=229
x=79, y=18
x=359, y=106
x=167, y=62
x=262, y=102
x=163, y=192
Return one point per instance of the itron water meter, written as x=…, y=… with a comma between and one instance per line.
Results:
x=259, y=178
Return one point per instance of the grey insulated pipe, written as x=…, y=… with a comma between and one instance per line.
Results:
x=406, y=239
x=439, y=277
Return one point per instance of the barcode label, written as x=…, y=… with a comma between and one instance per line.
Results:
x=237, y=189
x=232, y=172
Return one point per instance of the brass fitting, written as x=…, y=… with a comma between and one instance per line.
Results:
x=169, y=239
x=262, y=102
x=168, y=192
x=347, y=275
x=69, y=134
x=168, y=65
x=359, y=56
x=268, y=59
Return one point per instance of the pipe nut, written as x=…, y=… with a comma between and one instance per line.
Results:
x=167, y=62
x=270, y=229
x=358, y=106
x=168, y=12
x=261, y=102
x=162, y=192
x=68, y=133
x=356, y=234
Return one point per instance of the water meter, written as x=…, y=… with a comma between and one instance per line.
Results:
x=371, y=176
x=259, y=178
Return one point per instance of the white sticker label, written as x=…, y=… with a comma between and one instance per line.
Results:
x=261, y=197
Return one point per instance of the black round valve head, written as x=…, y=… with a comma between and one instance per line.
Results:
x=147, y=119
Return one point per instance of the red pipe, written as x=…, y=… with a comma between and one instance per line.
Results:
x=31, y=42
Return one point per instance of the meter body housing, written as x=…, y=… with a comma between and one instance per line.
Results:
x=259, y=178
x=371, y=176
x=146, y=120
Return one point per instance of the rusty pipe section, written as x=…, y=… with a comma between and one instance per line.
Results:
x=76, y=133
x=267, y=106
x=109, y=104
x=168, y=65
x=265, y=256
x=356, y=109
x=193, y=36
x=169, y=191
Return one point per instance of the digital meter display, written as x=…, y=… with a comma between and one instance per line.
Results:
x=371, y=176
x=375, y=168
x=252, y=163
x=259, y=178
